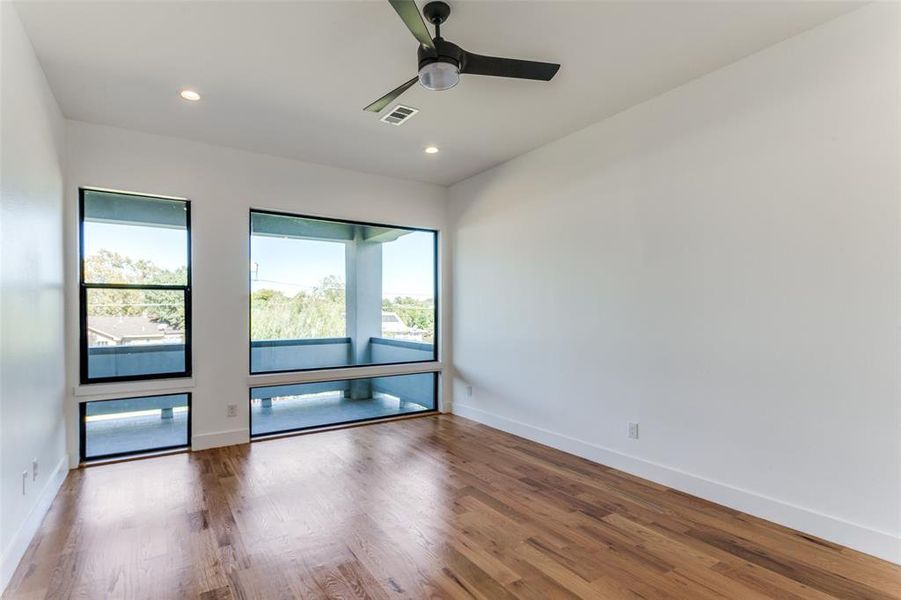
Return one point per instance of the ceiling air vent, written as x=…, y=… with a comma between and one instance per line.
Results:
x=399, y=114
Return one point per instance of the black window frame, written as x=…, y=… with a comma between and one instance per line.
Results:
x=84, y=287
x=436, y=377
x=435, y=285
x=82, y=430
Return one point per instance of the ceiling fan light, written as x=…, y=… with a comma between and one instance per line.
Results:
x=439, y=75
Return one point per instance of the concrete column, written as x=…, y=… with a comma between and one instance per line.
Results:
x=350, y=298
x=363, y=303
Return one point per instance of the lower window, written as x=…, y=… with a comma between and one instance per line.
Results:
x=282, y=408
x=135, y=334
x=113, y=428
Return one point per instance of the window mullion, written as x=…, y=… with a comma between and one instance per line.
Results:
x=135, y=286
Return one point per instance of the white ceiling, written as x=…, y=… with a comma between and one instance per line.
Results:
x=291, y=78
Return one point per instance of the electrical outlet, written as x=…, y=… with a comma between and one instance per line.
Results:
x=633, y=430
x=231, y=410
x=24, y=481
x=469, y=390
x=34, y=470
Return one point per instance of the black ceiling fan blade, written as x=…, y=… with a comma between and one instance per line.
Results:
x=476, y=64
x=412, y=18
x=388, y=98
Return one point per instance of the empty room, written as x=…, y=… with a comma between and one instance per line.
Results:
x=484, y=299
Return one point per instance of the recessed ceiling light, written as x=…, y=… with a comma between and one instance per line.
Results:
x=431, y=150
x=189, y=95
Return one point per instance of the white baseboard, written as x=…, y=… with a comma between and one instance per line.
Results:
x=14, y=552
x=205, y=441
x=870, y=541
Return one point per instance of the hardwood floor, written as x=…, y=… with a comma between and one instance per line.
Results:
x=422, y=508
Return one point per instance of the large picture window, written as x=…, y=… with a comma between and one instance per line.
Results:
x=327, y=293
x=135, y=302
x=282, y=408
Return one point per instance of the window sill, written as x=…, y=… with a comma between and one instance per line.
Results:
x=103, y=391
x=339, y=373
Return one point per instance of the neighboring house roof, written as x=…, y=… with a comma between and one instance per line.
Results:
x=391, y=323
x=117, y=328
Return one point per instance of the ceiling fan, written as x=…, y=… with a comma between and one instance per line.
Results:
x=441, y=62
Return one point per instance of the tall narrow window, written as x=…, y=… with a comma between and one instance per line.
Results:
x=327, y=293
x=135, y=287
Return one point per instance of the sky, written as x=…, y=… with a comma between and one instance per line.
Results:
x=287, y=265
x=408, y=266
x=291, y=265
x=164, y=247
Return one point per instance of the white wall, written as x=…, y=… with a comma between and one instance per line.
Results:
x=720, y=264
x=32, y=387
x=222, y=184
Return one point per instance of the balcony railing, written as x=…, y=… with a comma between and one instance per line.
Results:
x=155, y=421
x=137, y=359
x=266, y=355
x=290, y=355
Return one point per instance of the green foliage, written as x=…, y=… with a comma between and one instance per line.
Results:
x=160, y=306
x=315, y=314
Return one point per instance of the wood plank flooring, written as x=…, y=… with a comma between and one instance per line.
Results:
x=436, y=507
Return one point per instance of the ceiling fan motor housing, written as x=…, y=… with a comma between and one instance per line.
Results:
x=444, y=52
